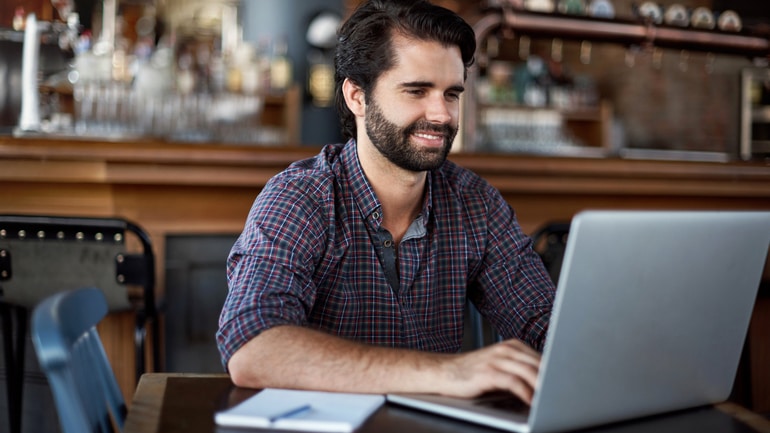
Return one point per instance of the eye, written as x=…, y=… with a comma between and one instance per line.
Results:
x=416, y=91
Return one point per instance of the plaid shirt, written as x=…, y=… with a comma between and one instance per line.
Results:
x=307, y=256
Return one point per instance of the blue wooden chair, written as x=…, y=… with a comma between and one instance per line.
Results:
x=70, y=352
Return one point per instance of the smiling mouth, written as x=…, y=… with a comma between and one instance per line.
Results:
x=430, y=140
x=427, y=136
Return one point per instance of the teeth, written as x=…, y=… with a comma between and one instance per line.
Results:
x=428, y=136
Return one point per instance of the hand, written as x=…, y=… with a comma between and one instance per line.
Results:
x=507, y=366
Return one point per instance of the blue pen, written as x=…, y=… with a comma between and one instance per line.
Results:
x=291, y=412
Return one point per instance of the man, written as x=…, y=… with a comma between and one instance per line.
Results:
x=354, y=266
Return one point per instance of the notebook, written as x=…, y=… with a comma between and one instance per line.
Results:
x=297, y=410
x=650, y=315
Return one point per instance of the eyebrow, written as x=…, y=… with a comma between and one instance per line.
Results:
x=431, y=85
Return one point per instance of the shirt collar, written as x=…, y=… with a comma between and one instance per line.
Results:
x=363, y=193
x=361, y=190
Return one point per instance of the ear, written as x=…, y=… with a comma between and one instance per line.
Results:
x=354, y=97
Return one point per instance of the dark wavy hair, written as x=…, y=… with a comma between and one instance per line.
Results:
x=365, y=50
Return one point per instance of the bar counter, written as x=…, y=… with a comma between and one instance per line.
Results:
x=557, y=186
x=198, y=189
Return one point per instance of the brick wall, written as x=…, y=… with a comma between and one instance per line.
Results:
x=680, y=100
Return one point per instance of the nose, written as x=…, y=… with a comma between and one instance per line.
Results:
x=439, y=110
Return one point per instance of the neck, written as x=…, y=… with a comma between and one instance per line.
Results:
x=399, y=191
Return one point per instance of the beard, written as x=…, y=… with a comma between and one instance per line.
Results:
x=393, y=142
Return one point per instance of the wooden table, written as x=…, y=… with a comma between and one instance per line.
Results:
x=185, y=403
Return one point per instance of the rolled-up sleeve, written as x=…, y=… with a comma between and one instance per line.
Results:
x=513, y=290
x=270, y=265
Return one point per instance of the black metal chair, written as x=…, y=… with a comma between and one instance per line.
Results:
x=550, y=241
x=480, y=331
x=44, y=255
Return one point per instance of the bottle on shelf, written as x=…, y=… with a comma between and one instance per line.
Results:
x=280, y=65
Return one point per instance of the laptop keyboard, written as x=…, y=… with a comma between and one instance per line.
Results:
x=502, y=400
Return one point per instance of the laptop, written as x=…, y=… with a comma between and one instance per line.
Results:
x=650, y=316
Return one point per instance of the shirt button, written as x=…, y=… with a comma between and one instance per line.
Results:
x=376, y=215
x=387, y=243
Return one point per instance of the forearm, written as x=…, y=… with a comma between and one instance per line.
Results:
x=300, y=358
x=296, y=357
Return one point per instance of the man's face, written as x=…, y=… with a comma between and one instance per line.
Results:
x=412, y=114
x=393, y=141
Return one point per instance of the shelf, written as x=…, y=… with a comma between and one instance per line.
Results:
x=588, y=114
x=761, y=146
x=279, y=118
x=761, y=115
x=754, y=118
x=585, y=114
x=622, y=32
x=510, y=21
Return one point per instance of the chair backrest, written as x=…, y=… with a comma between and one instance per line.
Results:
x=42, y=255
x=479, y=331
x=71, y=354
x=550, y=242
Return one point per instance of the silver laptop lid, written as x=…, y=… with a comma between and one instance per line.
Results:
x=650, y=315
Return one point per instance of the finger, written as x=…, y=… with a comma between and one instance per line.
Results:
x=523, y=391
x=522, y=346
x=520, y=370
x=518, y=351
x=520, y=365
x=519, y=388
